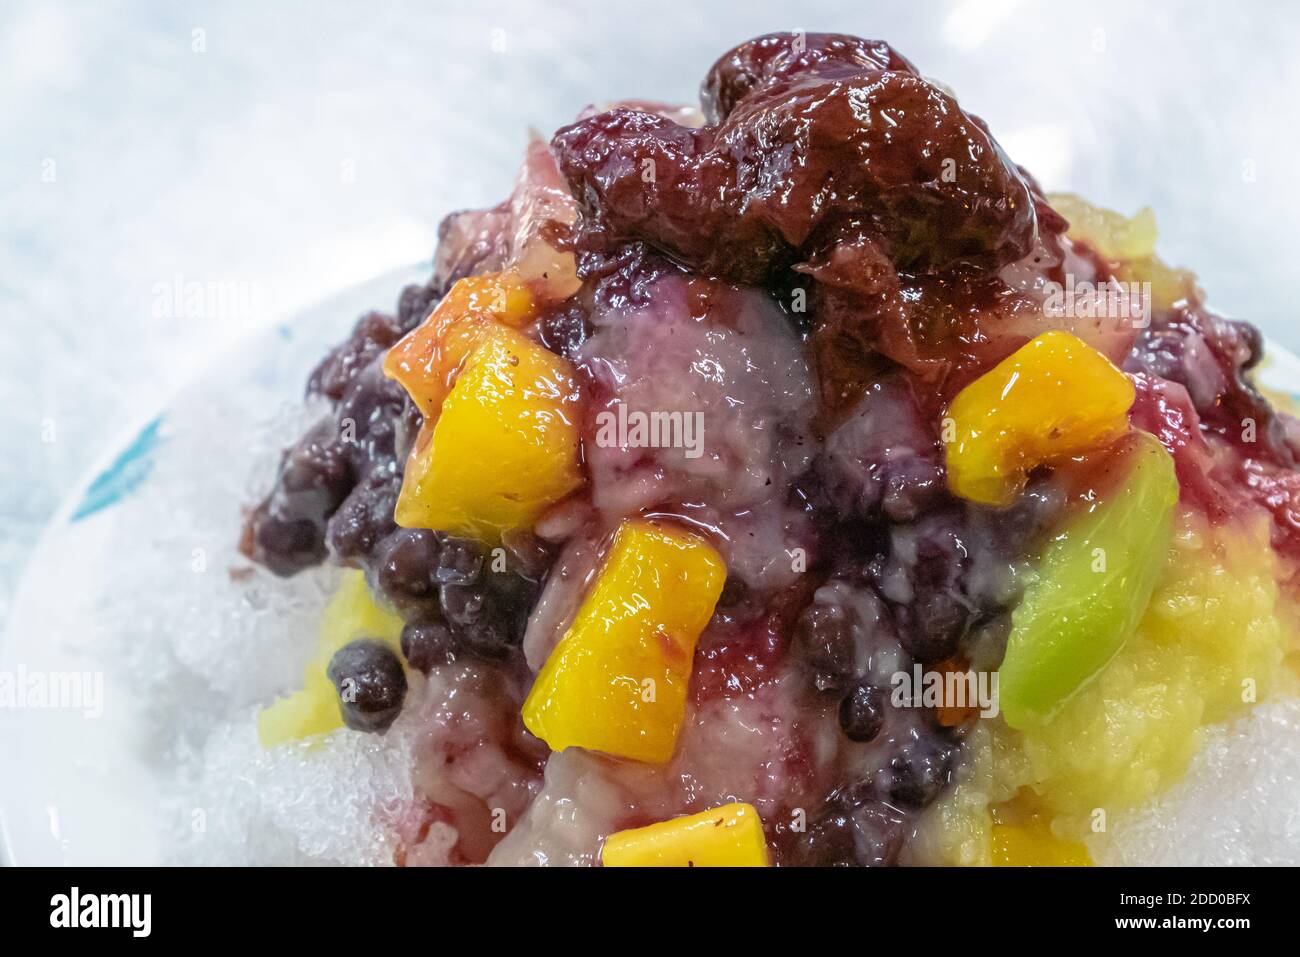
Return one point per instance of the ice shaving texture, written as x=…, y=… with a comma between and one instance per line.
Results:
x=186, y=616
x=332, y=800
x=1211, y=643
x=423, y=793
x=197, y=638
x=1236, y=807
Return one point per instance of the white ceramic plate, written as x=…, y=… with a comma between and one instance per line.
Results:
x=86, y=790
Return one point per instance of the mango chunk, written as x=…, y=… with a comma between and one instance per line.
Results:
x=1093, y=585
x=427, y=358
x=1053, y=398
x=504, y=447
x=350, y=614
x=1034, y=845
x=727, y=836
x=616, y=682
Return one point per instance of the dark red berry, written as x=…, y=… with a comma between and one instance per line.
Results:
x=824, y=636
x=918, y=772
x=862, y=713
x=462, y=604
x=460, y=562
x=428, y=644
x=403, y=564
x=370, y=682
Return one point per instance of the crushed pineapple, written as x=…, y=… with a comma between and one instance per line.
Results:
x=1112, y=234
x=617, y=680
x=727, y=836
x=1034, y=845
x=1209, y=645
x=350, y=614
x=1130, y=244
x=504, y=447
x=1053, y=398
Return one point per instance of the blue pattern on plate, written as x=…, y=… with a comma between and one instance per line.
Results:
x=125, y=474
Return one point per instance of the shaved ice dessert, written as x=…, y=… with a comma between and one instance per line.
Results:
x=785, y=482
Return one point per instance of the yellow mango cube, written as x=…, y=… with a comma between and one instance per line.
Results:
x=727, y=836
x=504, y=447
x=1053, y=398
x=427, y=358
x=1034, y=845
x=350, y=614
x=616, y=682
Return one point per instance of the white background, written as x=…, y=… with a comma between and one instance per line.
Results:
x=294, y=149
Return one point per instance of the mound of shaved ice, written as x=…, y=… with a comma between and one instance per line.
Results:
x=196, y=639
x=328, y=801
